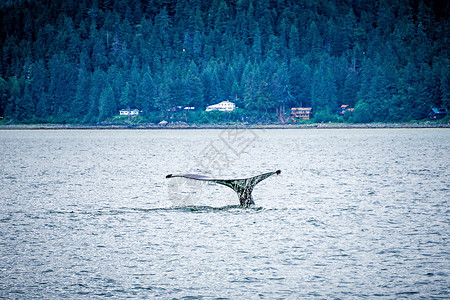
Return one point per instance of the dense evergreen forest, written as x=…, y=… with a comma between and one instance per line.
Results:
x=80, y=61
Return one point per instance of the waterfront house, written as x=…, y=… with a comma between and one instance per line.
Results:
x=222, y=106
x=437, y=113
x=129, y=112
x=344, y=108
x=303, y=113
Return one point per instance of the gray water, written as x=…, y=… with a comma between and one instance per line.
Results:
x=354, y=214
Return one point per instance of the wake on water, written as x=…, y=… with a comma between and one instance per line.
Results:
x=201, y=208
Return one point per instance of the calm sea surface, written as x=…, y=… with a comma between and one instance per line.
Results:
x=354, y=214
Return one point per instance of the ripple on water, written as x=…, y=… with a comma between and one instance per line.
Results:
x=355, y=214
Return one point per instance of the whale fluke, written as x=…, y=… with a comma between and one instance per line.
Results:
x=243, y=187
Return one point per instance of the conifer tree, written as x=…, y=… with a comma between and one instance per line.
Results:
x=107, y=103
x=57, y=61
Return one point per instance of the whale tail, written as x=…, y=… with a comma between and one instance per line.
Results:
x=243, y=187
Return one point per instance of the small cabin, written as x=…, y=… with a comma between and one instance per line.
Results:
x=303, y=113
x=222, y=106
x=437, y=113
x=344, y=108
x=129, y=112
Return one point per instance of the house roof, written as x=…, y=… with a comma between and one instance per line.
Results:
x=126, y=109
x=439, y=110
x=301, y=109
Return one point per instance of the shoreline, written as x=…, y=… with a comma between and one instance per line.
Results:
x=223, y=126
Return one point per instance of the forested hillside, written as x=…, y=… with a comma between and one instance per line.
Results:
x=81, y=61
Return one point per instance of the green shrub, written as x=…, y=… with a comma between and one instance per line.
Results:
x=325, y=116
x=363, y=113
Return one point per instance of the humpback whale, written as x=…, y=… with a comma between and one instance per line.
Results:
x=243, y=187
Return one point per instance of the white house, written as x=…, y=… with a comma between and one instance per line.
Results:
x=222, y=106
x=129, y=112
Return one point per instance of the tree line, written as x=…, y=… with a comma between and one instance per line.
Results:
x=79, y=61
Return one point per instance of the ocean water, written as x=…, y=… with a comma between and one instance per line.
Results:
x=355, y=213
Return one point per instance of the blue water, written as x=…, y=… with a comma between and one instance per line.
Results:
x=354, y=214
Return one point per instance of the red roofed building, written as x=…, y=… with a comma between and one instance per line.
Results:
x=303, y=113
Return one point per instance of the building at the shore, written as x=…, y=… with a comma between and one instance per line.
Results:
x=129, y=112
x=437, y=113
x=344, y=108
x=303, y=113
x=222, y=106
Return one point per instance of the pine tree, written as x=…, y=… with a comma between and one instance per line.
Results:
x=444, y=87
x=97, y=85
x=294, y=41
x=163, y=32
x=107, y=104
x=146, y=93
x=210, y=83
x=300, y=80
x=79, y=103
x=61, y=85
x=281, y=93
x=4, y=90
x=125, y=97
x=193, y=93
x=98, y=58
x=38, y=89
x=14, y=106
x=257, y=47
x=324, y=90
